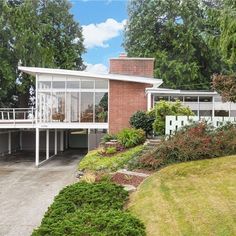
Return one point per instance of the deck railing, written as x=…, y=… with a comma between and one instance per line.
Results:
x=17, y=115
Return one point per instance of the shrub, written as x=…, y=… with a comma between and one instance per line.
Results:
x=111, y=150
x=194, y=142
x=131, y=137
x=102, y=195
x=94, y=161
x=85, y=222
x=142, y=120
x=108, y=137
x=90, y=209
x=163, y=109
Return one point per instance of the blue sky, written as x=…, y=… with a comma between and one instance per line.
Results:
x=103, y=22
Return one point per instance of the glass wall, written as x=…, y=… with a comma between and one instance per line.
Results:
x=62, y=99
x=201, y=105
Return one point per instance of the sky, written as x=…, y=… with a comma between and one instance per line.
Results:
x=103, y=23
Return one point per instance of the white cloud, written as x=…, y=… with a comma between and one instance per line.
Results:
x=96, y=68
x=97, y=35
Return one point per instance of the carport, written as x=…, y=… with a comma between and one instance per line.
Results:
x=41, y=145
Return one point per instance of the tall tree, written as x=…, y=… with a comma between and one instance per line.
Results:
x=228, y=33
x=7, y=71
x=43, y=34
x=175, y=32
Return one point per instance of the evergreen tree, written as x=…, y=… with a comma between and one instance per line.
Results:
x=176, y=34
x=42, y=33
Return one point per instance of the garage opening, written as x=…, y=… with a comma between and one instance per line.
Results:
x=19, y=145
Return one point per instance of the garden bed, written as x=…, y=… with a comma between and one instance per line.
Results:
x=125, y=179
x=94, y=161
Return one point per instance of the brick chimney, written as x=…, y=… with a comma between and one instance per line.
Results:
x=124, y=65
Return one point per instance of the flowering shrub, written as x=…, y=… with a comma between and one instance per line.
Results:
x=195, y=142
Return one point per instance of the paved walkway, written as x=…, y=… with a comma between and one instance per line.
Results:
x=26, y=192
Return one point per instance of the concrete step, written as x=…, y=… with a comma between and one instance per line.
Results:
x=127, y=172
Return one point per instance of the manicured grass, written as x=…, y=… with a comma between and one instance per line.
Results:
x=194, y=198
x=93, y=161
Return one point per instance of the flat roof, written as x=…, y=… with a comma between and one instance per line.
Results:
x=167, y=91
x=36, y=70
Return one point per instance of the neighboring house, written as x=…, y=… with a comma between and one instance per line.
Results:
x=75, y=108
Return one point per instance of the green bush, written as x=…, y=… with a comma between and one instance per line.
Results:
x=94, y=161
x=142, y=120
x=108, y=137
x=163, y=109
x=131, y=137
x=88, y=222
x=111, y=150
x=89, y=209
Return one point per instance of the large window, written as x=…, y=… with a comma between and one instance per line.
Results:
x=72, y=99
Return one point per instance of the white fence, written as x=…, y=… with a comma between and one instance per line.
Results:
x=174, y=123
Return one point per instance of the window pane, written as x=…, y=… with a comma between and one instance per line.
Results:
x=190, y=99
x=205, y=113
x=176, y=98
x=58, y=84
x=45, y=106
x=101, y=107
x=73, y=84
x=87, y=107
x=87, y=84
x=221, y=113
x=58, y=106
x=101, y=84
x=161, y=98
x=205, y=99
x=45, y=85
x=72, y=102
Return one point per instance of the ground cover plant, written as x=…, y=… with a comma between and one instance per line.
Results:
x=194, y=142
x=90, y=209
x=191, y=198
x=95, y=161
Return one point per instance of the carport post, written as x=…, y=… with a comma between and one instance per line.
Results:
x=20, y=140
x=9, y=142
x=66, y=139
x=55, y=145
x=37, y=147
x=47, y=144
x=62, y=140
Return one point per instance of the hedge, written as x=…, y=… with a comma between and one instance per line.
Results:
x=90, y=209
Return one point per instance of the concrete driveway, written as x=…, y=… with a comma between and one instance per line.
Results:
x=26, y=192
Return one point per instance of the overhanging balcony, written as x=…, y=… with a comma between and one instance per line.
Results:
x=17, y=117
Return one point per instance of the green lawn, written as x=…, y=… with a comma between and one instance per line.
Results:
x=93, y=161
x=193, y=198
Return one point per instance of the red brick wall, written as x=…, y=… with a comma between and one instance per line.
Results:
x=125, y=98
x=132, y=66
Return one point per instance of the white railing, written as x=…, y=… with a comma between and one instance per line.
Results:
x=17, y=115
x=174, y=123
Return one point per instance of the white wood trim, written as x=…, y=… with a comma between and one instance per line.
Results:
x=47, y=144
x=37, y=135
x=55, y=142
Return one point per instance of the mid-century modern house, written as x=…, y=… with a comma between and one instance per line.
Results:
x=75, y=108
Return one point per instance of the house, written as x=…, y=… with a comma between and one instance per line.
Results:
x=74, y=109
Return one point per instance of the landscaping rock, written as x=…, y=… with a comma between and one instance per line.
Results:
x=129, y=188
x=126, y=172
x=79, y=174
